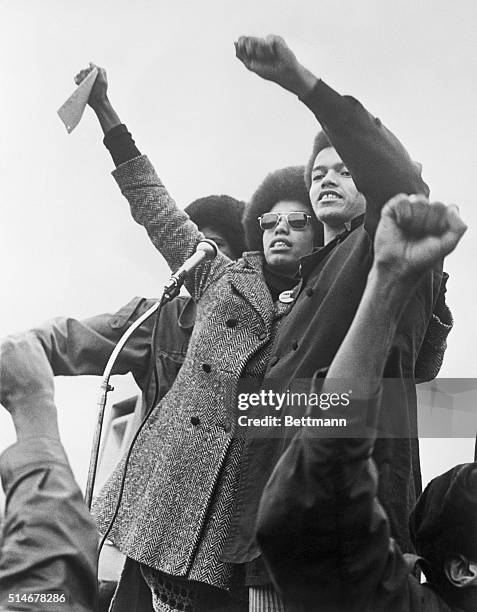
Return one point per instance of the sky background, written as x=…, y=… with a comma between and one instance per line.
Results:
x=67, y=242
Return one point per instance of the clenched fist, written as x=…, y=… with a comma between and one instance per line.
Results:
x=273, y=60
x=25, y=372
x=99, y=92
x=414, y=235
x=27, y=387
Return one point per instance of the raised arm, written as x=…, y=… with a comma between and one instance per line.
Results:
x=77, y=347
x=379, y=164
x=412, y=236
x=169, y=228
x=82, y=347
x=321, y=528
x=49, y=540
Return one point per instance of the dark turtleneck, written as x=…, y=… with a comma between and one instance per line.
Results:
x=278, y=282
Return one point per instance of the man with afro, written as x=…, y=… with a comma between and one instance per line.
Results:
x=359, y=165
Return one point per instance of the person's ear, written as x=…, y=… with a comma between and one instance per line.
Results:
x=461, y=572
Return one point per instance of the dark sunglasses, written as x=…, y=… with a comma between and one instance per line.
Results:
x=296, y=220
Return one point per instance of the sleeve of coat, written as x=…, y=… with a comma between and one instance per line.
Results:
x=76, y=347
x=379, y=164
x=171, y=231
x=49, y=538
x=433, y=348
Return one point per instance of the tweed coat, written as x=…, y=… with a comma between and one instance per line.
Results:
x=177, y=459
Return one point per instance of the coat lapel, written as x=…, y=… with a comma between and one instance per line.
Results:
x=248, y=281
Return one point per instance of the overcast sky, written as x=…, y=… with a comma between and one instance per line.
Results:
x=68, y=244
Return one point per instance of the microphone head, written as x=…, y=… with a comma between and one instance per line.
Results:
x=208, y=247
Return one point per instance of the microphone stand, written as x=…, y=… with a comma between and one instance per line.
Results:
x=104, y=390
x=206, y=249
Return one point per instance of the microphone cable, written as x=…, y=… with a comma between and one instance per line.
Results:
x=138, y=431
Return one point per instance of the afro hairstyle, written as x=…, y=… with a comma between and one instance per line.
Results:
x=443, y=523
x=223, y=214
x=283, y=184
x=320, y=142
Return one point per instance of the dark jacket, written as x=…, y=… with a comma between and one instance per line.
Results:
x=324, y=534
x=83, y=347
x=333, y=280
x=48, y=553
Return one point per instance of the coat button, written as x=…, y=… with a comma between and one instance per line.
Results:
x=262, y=336
x=227, y=426
x=273, y=360
x=309, y=292
x=231, y=323
x=195, y=421
x=294, y=345
x=207, y=368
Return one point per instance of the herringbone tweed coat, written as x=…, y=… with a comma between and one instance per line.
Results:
x=178, y=457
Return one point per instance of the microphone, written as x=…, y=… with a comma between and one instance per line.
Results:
x=205, y=250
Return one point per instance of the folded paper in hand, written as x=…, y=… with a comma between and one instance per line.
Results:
x=72, y=110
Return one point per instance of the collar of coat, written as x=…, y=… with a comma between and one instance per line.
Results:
x=254, y=292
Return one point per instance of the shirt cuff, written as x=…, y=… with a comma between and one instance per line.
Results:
x=120, y=144
x=22, y=455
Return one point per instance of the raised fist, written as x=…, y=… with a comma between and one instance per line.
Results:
x=273, y=60
x=414, y=235
x=25, y=373
x=99, y=92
